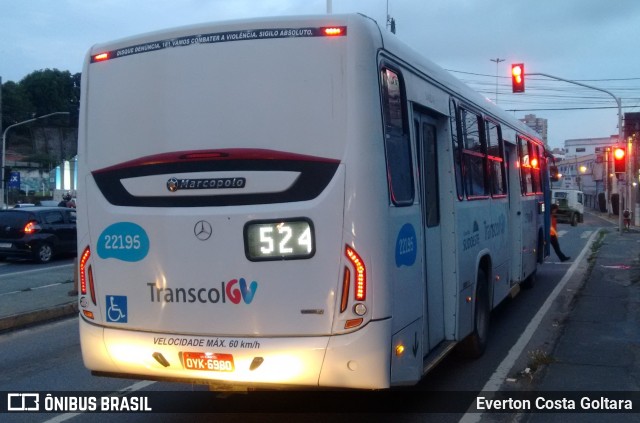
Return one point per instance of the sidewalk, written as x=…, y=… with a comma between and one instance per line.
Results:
x=589, y=341
x=599, y=348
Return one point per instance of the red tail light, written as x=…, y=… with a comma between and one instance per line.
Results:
x=360, y=293
x=87, y=272
x=32, y=227
x=333, y=31
x=86, y=254
x=346, y=281
x=100, y=57
x=92, y=289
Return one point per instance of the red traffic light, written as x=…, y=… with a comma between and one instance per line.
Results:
x=517, y=78
x=619, y=159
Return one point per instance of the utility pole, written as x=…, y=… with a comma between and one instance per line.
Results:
x=497, y=62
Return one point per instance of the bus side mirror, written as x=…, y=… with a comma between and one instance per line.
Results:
x=553, y=173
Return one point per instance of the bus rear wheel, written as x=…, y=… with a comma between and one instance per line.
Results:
x=473, y=346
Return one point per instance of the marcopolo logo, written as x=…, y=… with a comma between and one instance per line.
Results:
x=176, y=184
x=234, y=291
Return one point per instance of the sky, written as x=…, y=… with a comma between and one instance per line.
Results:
x=594, y=42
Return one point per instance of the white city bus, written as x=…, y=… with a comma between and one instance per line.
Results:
x=302, y=201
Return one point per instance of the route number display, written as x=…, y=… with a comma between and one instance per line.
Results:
x=279, y=240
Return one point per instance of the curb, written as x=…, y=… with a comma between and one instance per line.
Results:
x=18, y=321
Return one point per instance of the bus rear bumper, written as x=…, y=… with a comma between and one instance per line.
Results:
x=356, y=360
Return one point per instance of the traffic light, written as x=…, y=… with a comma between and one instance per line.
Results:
x=517, y=77
x=619, y=159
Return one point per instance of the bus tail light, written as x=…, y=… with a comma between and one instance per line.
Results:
x=92, y=289
x=353, y=323
x=101, y=57
x=360, y=293
x=334, y=31
x=346, y=281
x=84, y=258
x=86, y=272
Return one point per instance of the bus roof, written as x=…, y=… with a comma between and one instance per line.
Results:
x=386, y=40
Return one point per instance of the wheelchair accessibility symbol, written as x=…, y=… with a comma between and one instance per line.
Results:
x=117, y=308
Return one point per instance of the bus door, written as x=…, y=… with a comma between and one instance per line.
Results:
x=426, y=142
x=530, y=179
x=515, y=210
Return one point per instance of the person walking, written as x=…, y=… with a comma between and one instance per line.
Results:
x=627, y=219
x=554, y=235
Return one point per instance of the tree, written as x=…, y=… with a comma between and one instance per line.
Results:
x=16, y=106
x=52, y=90
x=42, y=92
x=39, y=93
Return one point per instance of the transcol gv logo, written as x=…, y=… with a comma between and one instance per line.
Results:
x=246, y=291
x=235, y=290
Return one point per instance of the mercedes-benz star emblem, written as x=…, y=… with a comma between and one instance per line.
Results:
x=202, y=230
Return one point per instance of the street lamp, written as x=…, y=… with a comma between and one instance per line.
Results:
x=4, y=145
x=497, y=62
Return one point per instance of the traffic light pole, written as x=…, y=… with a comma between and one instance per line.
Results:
x=620, y=139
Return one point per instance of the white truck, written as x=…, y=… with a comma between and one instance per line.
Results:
x=570, y=205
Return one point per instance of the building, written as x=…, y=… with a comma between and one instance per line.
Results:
x=586, y=146
x=584, y=167
x=537, y=124
x=586, y=173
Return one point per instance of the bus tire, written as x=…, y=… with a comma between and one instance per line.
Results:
x=530, y=281
x=540, y=252
x=473, y=346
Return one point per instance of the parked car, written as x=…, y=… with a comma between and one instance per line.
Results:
x=38, y=233
x=22, y=205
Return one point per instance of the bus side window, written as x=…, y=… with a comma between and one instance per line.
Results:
x=495, y=156
x=525, y=167
x=535, y=167
x=457, y=158
x=397, y=143
x=473, y=154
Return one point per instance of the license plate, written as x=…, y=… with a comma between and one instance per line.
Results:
x=208, y=361
x=5, y=245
